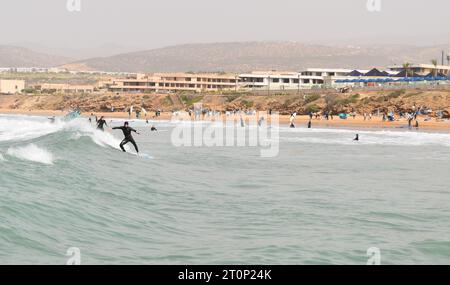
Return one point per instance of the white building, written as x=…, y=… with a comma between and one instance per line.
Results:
x=11, y=86
x=273, y=80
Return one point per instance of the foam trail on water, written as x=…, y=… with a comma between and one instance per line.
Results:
x=31, y=152
x=1, y=157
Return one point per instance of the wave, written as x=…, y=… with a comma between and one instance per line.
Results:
x=1, y=157
x=31, y=152
x=33, y=129
x=381, y=137
x=21, y=128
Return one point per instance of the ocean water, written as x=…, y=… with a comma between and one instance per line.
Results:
x=323, y=200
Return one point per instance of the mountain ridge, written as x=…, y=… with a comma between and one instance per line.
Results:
x=248, y=56
x=15, y=56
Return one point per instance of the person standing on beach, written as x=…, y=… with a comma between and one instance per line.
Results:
x=410, y=119
x=101, y=123
x=292, y=119
x=309, y=124
x=126, y=129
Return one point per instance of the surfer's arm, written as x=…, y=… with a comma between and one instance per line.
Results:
x=117, y=128
x=133, y=130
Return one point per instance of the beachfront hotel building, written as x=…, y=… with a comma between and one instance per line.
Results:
x=311, y=78
x=424, y=69
x=11, y=86
x=157, y=82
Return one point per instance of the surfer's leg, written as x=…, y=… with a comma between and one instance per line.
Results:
x=135, y=145
x=124, y=142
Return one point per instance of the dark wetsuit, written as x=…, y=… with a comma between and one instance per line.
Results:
x=100, y=124
x=128, y=137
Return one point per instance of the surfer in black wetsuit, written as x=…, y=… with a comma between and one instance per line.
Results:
x=101, y=123
x=356, y=138
x=128, y=137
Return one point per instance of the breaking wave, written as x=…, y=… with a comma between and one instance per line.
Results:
x=31, y=152
x=15, y=129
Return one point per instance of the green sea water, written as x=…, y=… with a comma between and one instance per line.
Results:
x=323, y=199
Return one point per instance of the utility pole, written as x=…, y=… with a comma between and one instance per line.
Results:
x=298, y=91
x=442, y=57
x=268, y=85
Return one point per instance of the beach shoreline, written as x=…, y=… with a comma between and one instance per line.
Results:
x=300, y=121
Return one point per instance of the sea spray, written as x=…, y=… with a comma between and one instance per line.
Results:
x=21, y=128
x=31, y=152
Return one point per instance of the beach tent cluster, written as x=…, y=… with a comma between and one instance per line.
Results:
x=385, y=77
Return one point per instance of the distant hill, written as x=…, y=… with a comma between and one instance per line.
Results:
x=247, y=56
x=12, y=56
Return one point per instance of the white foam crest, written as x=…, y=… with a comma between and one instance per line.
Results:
x=31, y=152
x=20, y=128
x=101, y=138
x=2, y=158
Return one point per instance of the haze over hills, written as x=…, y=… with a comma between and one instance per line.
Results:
x=13, y=56
x=247, y=56
x=232, y=57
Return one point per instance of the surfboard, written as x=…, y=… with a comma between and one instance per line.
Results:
x=140, y=155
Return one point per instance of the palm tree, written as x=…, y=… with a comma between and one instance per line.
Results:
x=406, y=67
x=435, y=63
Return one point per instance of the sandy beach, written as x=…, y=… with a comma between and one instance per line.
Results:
x=431, y=124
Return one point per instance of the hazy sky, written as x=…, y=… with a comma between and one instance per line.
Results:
x=146, y=24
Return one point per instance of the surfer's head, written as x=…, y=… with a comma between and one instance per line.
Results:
x=125, y=124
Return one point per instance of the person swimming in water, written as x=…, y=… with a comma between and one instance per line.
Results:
x=101, y=123
x=154, y=129
x=356, y=138
x=126, y=129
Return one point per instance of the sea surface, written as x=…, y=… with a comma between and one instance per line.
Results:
x=324, y=199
